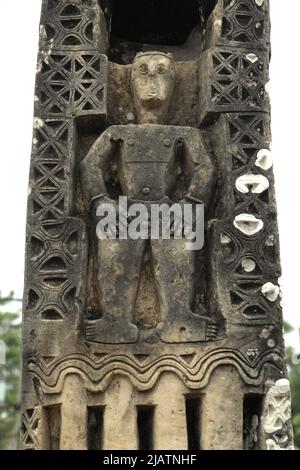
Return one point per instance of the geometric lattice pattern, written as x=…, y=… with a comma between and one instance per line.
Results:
x=69, y=25
x=71, y=84
x=245, y=21
x=29, y=428
x=56, y=260
x=51, y=139
x=50, y=196
x=49, y=191
x=248, y=305
x=238, y=80
x=233, y=80
x=247, y=134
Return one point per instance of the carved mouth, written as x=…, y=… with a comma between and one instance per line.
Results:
x=152, y=100
x=152, y=96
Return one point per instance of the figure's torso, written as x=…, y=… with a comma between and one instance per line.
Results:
x=148, y=160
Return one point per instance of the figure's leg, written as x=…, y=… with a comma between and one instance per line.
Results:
x=119, y=269
x=174, y=268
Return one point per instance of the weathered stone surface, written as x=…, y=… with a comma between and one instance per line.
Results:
x=140, y=343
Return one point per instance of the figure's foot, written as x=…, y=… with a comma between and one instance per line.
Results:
x=111, y=331
x=188, y=328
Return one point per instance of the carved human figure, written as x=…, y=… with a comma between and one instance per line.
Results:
x=150, y=162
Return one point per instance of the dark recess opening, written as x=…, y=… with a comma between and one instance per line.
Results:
x=145, y=420
x=166, y=22
x=251, y=420
x=193, y=419
x=53, y=419
x=95, y=427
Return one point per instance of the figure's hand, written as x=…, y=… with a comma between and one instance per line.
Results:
x=119, y=223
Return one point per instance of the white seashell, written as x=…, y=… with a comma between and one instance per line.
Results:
x=264, y=159
x=248, y=265
x=250, y=182
x=270, y=291
x=225, y=240
x=248, y=224
x=252, y=58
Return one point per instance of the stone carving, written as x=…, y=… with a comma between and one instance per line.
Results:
x=233, y=81
x=254, y=183
x=72, y=25
x=248, y=224
x=264, y=159
x=75, y=81
x=241, y=22
x=149, y=155
x=32, y=434
x=50, y=196
x=127, y=343
x=195, y=374
x=277, y=419
x=56, y=259
x=270, y=291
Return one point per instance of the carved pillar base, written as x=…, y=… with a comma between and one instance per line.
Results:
x=73, y=415
x=120, y=416
x=170, y=424
x=222, y=411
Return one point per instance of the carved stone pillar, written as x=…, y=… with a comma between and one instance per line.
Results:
x=73, y=415
x=143, y=343
x=222, y=411
x=120, y=418
x=170, y=424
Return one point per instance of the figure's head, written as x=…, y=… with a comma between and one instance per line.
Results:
x=153, y=79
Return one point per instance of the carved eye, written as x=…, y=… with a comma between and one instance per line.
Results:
x=161, y=68
x=143, y=69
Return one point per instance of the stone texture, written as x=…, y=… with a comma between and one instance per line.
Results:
x=222, y=417
x=141, y=344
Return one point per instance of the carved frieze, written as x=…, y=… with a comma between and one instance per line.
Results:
x=181, y=117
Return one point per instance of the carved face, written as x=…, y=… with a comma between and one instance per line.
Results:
x=153, y=80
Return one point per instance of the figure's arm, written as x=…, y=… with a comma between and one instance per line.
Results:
x=94, y=166
x=201, y=169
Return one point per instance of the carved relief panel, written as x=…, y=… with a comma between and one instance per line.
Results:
x=152, y=109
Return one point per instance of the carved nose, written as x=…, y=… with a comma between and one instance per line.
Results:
x=154, y=86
